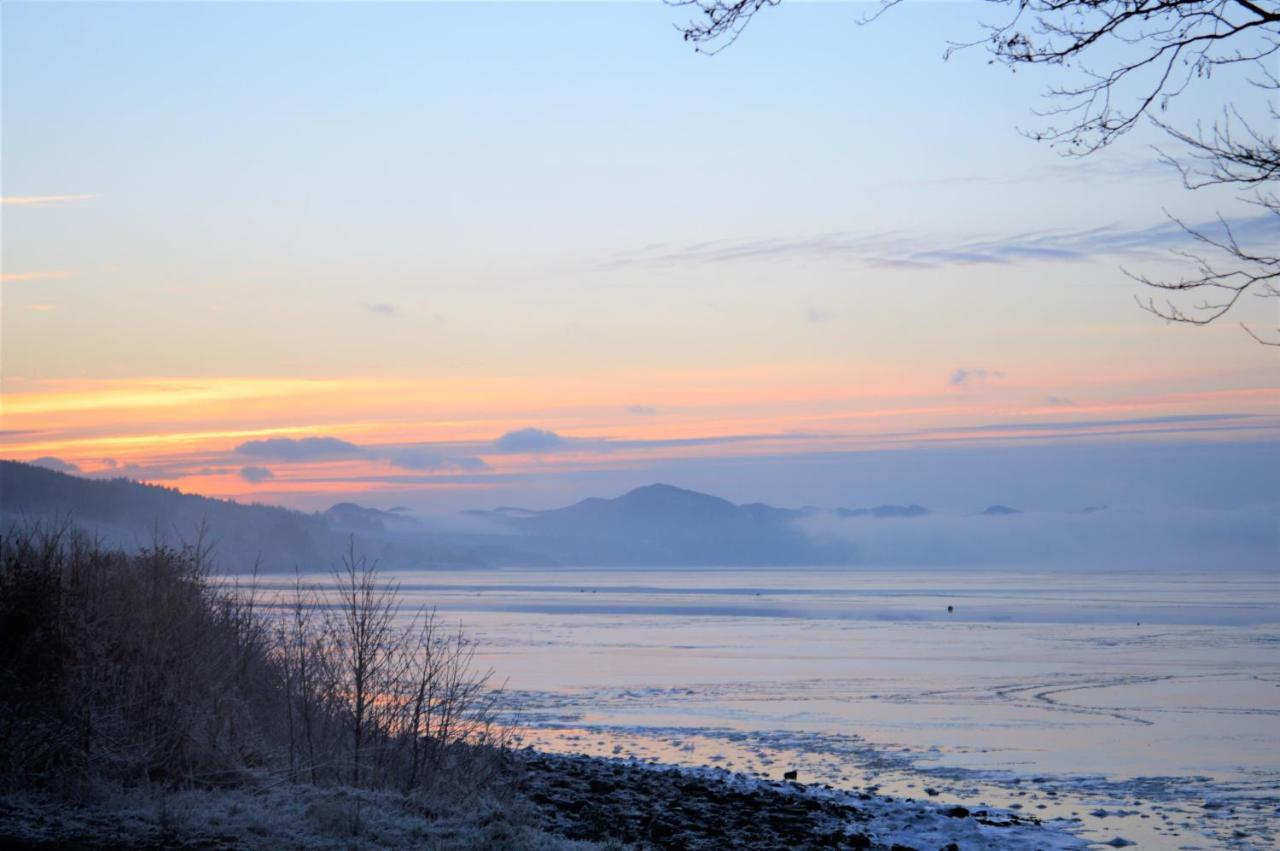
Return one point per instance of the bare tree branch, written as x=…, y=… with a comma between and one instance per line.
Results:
x=1126, y=61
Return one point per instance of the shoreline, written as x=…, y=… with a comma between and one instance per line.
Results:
x=548, y=801
x=670, y=807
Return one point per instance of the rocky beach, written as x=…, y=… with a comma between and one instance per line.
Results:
x=548, y=802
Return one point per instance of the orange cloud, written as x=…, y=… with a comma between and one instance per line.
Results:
x=42, y=200
x=17, y=277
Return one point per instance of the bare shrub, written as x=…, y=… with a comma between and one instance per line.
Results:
x=143, y=668
x=413, y=709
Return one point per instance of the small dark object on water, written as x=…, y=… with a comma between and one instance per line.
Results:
x=931, y=792
x=950, y=609
x=956, y=812
x=950, y=846
x=790, y=775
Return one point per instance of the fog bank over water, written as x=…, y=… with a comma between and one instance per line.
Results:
x=1123, y=537
x=1031, y=475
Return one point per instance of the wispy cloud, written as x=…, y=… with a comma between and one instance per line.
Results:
x=1078, y=425
x=899, y=249
x=616, y=444
x=642, y=410
x=42, y=200
x=1113, y=165
x=425, y=458
x=535, y=440
x=380, y=308
x=300, y=448
x=15, y=277
x=972, y=375
x=163, y=471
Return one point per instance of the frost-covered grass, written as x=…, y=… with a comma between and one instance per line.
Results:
x=551, y=803
x=277, y=816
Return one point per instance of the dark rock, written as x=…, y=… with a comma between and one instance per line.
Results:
x=635, y=805
x=790, y=775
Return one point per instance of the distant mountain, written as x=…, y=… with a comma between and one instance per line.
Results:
x=658, y=525
x=661, y=525
x=350, y=517
x=131, y=515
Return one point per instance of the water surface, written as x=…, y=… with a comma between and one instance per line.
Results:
x=1145, y=704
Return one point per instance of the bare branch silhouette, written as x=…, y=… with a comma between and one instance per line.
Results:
x=1127, y=60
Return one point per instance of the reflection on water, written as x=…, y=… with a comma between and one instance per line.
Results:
x=1153, y=699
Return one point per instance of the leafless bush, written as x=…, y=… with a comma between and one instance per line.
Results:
x=144, y=668
x=394, y=703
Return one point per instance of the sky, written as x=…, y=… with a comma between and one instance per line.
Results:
x=446, y=256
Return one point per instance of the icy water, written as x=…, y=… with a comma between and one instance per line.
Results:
x=1144, y=705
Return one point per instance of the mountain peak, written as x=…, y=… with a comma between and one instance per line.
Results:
x=662, y=490
x=661, y=496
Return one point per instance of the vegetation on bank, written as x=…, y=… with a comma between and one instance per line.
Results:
x=143, y=668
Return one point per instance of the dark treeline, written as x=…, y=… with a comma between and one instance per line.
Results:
x=143, y=667
x=125, y=513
